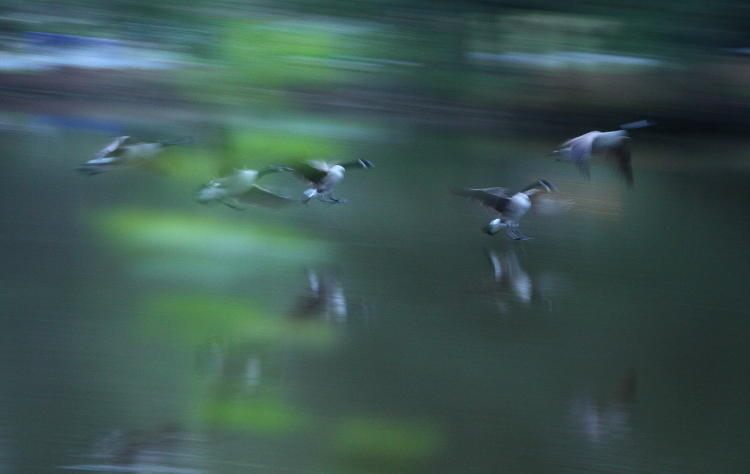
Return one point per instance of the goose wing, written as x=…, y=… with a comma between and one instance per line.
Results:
x=259, y=196
x=584, y=169
x=494, y=198
x=622, y=157
x=313, y=171
x=114, y=147
x=580, y=147
x=357, y=164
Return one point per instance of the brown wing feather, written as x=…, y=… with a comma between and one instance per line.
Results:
x=622, y=155
x=495, y=198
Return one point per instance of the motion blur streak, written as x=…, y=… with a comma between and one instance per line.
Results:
x=185, y=312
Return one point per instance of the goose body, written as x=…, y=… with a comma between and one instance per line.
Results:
x=240, y=187
x=616, y=143
x=323, y=177
x=511, y=207
x=125, y=152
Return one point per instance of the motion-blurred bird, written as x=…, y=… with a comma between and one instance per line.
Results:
x=240, y=188
x=125, y=152
x=510, y=206
x=616, y=143
x=323, y=176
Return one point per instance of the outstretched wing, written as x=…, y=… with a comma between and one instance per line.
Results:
x=312, y=171
x=113, y=147
x=622, y=155
x=357, y=164
x=272, y=169
x=259, y=196
x=549, y=206
x=584, y=169
x=580, y=147
x=638, y=124
x=495, y=198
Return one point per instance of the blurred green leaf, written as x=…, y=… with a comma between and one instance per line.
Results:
x=189, y=235
x=198, y=318
x=385, y=442
x=260, y=415
x=281, y=148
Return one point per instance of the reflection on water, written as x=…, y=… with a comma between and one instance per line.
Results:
x=606, y=420
x=510, y=279
x=230, y=323
x=325, y=298
x=167, y=449
x=144, y=332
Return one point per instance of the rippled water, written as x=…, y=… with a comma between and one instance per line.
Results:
x=146, y=333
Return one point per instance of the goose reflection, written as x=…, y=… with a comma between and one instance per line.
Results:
x=164, y=449
x=510, y=276
x=511, y=279
x=238, y=368
x=324, y=298
x=601, y=421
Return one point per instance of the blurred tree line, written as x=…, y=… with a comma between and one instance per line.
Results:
x=594, y=57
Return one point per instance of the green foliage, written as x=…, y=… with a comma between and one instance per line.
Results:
x=276, y=53
x=186, y=164
x=281, y=148
x=196, y=318
x=389, y=444
x=149, y=231
x=192, y=248
x=262, y=415
x=255, y=59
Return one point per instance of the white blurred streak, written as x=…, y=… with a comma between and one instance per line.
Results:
x=549, y=206
x=45, y=51
x=253, y=373
x=564, y=59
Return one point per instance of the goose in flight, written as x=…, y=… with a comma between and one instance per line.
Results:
x=616, y=144
x=323, y=177
x=510, y=206
x=125, y=152
x=240, y=188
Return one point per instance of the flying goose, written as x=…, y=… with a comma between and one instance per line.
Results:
x=323, y=176
x=616, y=143
x=240, y=188
x=510, y=206
x=124, y=152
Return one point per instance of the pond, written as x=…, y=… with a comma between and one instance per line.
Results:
x=144, y=332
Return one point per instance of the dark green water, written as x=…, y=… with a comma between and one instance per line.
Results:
x=143, y=332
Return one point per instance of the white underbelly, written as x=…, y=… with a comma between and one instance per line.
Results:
x=331, y=180
x=518, y=206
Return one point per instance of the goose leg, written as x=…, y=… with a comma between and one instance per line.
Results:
x=518, y=234
x=494, y=226
x=332, y=200
x=233, y=203
x=309, y=194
